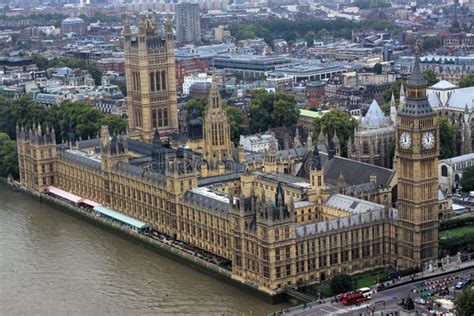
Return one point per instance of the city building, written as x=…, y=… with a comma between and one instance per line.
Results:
x=73, y=25
x=283, y=218
x=188, y=23
x=374, y=139
x=189, y=67
x=456, y=104
x=250, y=66
x=258, y=143
x=451, y=169
x=150, y=72
x=190, y=80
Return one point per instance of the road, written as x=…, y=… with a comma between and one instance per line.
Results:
x=382, y=300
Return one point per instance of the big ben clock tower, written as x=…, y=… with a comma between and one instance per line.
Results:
x=417, y=163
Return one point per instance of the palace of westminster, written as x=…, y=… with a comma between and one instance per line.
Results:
x=286, y=217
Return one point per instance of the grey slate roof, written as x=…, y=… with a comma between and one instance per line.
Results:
x=80, y=159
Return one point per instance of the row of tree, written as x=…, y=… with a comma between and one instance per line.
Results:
x=68, y=116
x=284, y=28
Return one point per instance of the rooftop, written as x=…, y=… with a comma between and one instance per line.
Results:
x=351, y=204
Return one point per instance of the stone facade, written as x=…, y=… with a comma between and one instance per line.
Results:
x=151, y=81
x=284, y=218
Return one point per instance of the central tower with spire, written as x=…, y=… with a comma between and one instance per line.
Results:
x=217, y=144
x=417, y=153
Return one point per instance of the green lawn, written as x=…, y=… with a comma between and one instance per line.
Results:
x=456, y=232
x=369, y=278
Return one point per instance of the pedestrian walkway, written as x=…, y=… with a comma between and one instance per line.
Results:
x=423, y=275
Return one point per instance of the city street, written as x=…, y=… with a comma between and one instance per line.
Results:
x=384, y=300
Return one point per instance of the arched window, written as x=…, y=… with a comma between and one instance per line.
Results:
x=158, y=81
x=163, y=80
x=165, y=117
x=444, y=171
x=159, y=118
x=154, y=118
x=152, y=81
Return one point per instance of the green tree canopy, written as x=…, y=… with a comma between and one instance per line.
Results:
x=430, y=77
x=377, y=68
x=196, y=106
x=236, y=122
x=467, y=180
x=8, y=156
x=395, y=89
x=338, y=121
x=447, y=137
x=116, y=125
x=371, y=4
x=269, y=109
x=74, y=117
x=23, y=111
x=341, y=283
x=430, y=43
x=465, y=302
x=309, y=38
x=467, y=80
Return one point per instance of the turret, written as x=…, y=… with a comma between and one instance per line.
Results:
x=309, y=140
x=337, y=144
x=321, y=138
x=393, y=110
x=402, y=98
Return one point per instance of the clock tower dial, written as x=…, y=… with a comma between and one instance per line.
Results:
x=405, y=140
x=428, y=140
x=417, y=171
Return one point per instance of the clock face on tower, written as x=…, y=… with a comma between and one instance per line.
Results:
x=405, y=140
x=428, y=140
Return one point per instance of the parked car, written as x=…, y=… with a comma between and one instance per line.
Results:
x=462, y=284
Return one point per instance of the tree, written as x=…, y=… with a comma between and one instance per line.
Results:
x=377, y=68
x=268, y=109
x=447, y=137
x=467, y=81
x=465, y=302
x=338, y=121
x=309, y=38
x=116, y=125
x=75, y=117
x=195, y=107
x=430, y=77
x=430, y=43
x=409, y=304
x=467, y=180
x=236, y=122
x=341, y=283
x=394, y=88
x=8, y=156
x=23, y=111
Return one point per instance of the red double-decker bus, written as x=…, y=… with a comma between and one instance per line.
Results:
x=361, y=295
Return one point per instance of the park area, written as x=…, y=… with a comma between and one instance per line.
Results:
x=456, y=232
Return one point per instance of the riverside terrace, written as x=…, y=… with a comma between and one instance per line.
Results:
x=134, y=225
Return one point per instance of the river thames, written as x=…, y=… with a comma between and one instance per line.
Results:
x=54, y=264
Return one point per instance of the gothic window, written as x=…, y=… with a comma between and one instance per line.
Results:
x=165, y=117
x=163, y=80
x=158, y=81
x=154, y=118
x=159, y=118
x=152, y=81
x=444, y=171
